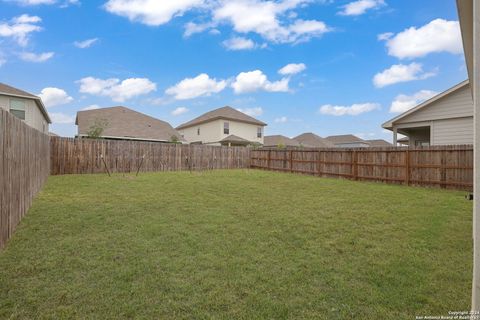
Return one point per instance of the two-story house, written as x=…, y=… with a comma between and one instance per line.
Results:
x=223, y=126
x=25, y=106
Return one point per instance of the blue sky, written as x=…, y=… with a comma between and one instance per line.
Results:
x=349, y=65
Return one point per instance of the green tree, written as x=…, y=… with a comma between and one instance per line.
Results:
x=174, y=139
x=96, y=129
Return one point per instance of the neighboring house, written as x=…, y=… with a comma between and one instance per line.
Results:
x=309, y=139
x=445, y=119
x=25, y=106
x=403, y=141
x=348, y=141
x=377, y=143
x=121, y=123
x=223, y=126
x=280, y=141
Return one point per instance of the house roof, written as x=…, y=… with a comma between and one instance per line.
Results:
x=275, y=140
x=344, y=139
x=465, y=9
x=227, y=113
x=313, y=140
x=379, y=143
x=14, y=92
x=235, y=139
x=461, y=85
x=125, y=123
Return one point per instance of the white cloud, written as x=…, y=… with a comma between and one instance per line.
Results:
x=273, y=20
x=281, y=120
x=118, y=91
x=61, y=118
x=34, y=2
x=359, y=7
x=20, y=28
x=252, y=112
x=292, y=68
x=437, y=36
x=256, y=80
x=353, y=110
x=91, y=107
x=385, y=36
x=54, y=97
x=85, y=44
x=401, y=73
x=66, y=3
x=265, y=19
x=25, y=18
x=36, y=57
x=192, y=28
x=178, y=111
x=201, y=85
x=151, y=12
x=2, y=61
x=404, y=102
x=239, y=43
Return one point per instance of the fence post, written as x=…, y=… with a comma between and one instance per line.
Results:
x=268, y=159
x=407, y=167
x=319, y=164
x=354, y=165
x=291, y=161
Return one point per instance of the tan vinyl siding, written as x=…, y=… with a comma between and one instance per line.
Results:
x=455, y=105
x=33, y=116
x=210, y=132
x=453, y=131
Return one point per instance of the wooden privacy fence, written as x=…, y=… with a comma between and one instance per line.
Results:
x=443, y=166
x=24, y=168
x=79, y=156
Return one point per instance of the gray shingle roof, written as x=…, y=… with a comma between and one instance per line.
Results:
x=275, y=140
x=234, y=138
x=125, y=123
x=379, y=143
x=7, y=90
x=313, y=140
x=346, y=138
x=227, y=113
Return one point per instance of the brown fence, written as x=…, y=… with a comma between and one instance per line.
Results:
x=24, y=168
x=78, y=156
x=443, y=166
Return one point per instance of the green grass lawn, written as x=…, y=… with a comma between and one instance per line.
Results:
x=237, y=245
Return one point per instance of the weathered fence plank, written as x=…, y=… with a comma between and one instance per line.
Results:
x=79, y=156
x=441, y=166
x=24, y=168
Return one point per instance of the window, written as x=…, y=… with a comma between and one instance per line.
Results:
x=17, y=108
x=259, y=132
x=198, y=131
x=226, y=128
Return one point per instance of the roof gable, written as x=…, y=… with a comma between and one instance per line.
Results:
x=227, y=113
x=429, y=103
x=14, y=92
x=276, y=140
x=311, y=139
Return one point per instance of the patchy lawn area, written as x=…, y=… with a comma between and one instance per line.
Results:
x=237, y=244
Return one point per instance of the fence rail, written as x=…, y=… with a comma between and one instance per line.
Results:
x=442, y=166
x=79, y=156
x=24, y=168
